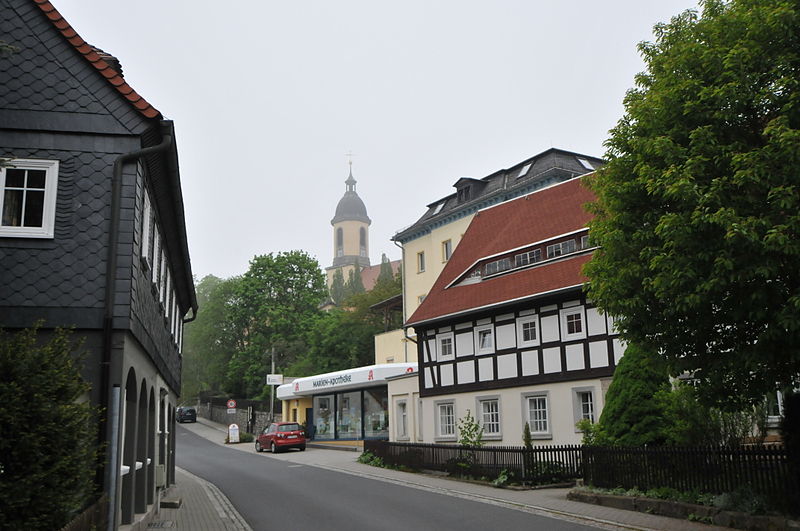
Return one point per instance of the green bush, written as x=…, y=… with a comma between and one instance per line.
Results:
x=632, y=415
x=48, y=441
x=368, y=458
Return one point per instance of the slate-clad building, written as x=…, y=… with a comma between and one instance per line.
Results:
x=92, y=236
x=507, y=332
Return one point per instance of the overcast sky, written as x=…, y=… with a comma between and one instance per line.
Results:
x=268, y=97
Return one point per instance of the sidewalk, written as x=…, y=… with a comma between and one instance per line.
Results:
x=206, y=508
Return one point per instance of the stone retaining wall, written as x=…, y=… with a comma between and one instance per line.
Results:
x=220, y=414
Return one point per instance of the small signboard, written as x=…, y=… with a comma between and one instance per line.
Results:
x=231, y=406
x=274, y=379
x=233, y=433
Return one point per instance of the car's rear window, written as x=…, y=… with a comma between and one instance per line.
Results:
x=289, y=427
x=189, y=410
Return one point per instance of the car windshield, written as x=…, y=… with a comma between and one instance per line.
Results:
x=289, y=427
x=188, y=410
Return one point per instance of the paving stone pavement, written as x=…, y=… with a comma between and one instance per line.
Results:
x=206, y=508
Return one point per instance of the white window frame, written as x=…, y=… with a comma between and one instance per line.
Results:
x=447, y=250
x=47, y=230
x=401, y=424
x=440, y=338
x=147, y=229
x=547, y=433
x=452, y=433
x=421, y=262
x=156, y=254
x=521, y=321
x=577, y=404
x=564, y=313
x=477, y=331
x=480, y=401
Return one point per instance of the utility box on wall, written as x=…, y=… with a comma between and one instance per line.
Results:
x=161, y=476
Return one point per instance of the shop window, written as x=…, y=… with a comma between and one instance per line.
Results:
x=376, y=414
x=323, y=417
x=348, y=415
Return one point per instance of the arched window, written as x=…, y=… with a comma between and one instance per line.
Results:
x=339, y=242
x=363, y=241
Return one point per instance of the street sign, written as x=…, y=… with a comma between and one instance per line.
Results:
x=231, y=404
x=274, y=379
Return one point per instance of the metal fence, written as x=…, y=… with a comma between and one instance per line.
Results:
x=762, y=471
x=539, y=465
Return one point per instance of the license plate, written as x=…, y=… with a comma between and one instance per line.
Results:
x=291, y=437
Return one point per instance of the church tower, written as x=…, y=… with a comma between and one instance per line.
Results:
x=350, y=233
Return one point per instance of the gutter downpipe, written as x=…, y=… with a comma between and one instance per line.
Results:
x=405, y=330
x=112, y=473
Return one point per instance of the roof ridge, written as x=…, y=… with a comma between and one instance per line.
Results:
x=88, y=51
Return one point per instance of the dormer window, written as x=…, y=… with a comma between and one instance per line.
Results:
x=586, y=164
x=498, y=265
x=438, y=208
x=464, y=194
x=557, y=249
x=524, y=171
x=531, y=257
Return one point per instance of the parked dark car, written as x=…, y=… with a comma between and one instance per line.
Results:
x=186, y=414
x=281, y=436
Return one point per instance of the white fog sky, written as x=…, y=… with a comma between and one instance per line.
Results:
x=268, y=97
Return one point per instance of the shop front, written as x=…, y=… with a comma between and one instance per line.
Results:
x=347, y=405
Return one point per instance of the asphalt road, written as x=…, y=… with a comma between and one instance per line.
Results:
x=273, y=494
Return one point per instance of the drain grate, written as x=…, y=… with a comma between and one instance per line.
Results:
x=165, y=524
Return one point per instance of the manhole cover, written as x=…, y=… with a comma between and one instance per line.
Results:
x=161, y=525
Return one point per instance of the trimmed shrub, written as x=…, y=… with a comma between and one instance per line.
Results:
x=47, y=432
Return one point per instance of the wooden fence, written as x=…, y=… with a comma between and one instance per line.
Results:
x=540, y=465
x=763, y=471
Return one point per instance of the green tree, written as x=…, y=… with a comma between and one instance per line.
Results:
x=275, y=302
x=47, y=446
x=212, y=338
x=632, y=415
x=337, y=291
x=354, y=284
x=698, y=211
x=386, y=276
x=344, y=338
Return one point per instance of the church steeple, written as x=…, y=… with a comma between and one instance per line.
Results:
x=350, y=228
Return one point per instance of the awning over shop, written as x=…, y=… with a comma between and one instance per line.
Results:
x=340, y=380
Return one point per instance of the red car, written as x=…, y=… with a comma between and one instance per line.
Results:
x=281, y=436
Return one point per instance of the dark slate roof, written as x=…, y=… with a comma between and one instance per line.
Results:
x=351, y=207
x=112, y=73
x=546, y=214
x=546, y=168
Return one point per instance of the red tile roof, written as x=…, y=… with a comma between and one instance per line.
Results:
x=91, y=55
x=369, y=275
x=533, y=218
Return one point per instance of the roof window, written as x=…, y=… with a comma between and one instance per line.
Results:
x=586, y=164
x=524, y=170
x=438, y=208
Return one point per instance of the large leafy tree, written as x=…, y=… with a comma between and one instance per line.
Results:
x=212, y=338
x=698, y=217
x=276, y=301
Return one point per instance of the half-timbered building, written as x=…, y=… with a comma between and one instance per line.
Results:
x=507, y=332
